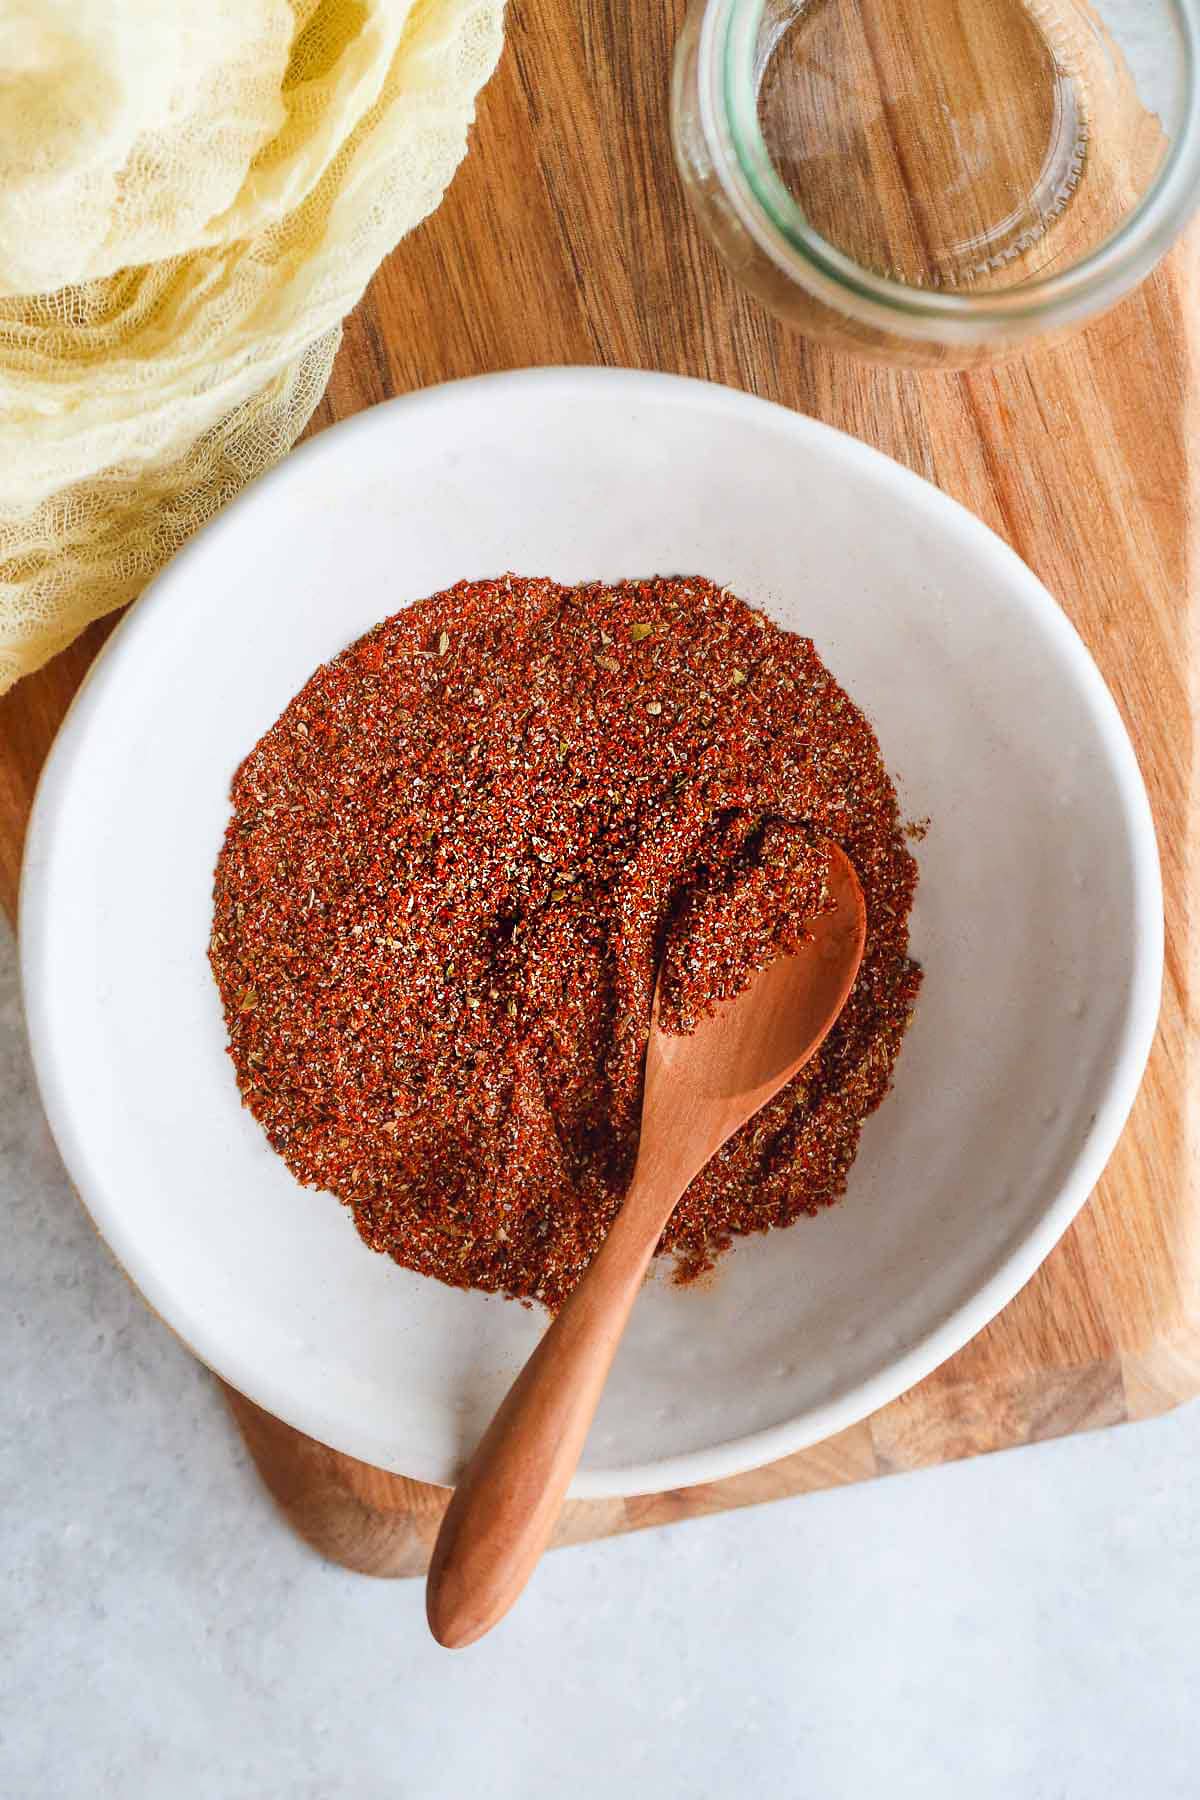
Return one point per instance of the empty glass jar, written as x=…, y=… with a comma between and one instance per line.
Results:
x=939, y=181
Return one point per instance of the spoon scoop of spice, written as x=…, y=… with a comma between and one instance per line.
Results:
x=699, y=1089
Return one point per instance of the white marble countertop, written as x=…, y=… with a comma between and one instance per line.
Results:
x=1024, y=1625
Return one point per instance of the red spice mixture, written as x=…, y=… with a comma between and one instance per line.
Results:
x=453, y=866
x=753, y=898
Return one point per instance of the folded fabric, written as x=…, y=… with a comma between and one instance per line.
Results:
x=191, y=198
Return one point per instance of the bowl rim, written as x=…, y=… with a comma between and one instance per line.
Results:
x=753, y=1449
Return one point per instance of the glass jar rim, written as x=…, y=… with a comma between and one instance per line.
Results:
x=729, y=110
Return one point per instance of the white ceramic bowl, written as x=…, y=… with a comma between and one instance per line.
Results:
x=1038, y=921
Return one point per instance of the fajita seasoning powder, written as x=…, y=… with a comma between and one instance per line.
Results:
x=454, y=865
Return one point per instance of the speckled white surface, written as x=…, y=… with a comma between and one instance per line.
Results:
x=1023, y=1626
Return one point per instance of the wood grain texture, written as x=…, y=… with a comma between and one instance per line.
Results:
x=565, y=238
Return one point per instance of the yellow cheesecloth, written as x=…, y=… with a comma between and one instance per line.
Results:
x=192, y=196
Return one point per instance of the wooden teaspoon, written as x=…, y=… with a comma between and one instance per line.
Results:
x=698, y=1091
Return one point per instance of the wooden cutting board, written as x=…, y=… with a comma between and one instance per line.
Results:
x=565, y=238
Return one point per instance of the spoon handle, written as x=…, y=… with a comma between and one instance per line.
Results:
x=508, y=1497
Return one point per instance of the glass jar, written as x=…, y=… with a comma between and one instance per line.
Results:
x=939, y=181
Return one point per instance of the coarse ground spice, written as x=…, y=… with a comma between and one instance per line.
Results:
x=453, y=866
x=753, y=898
